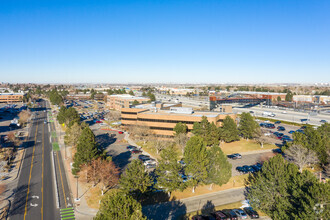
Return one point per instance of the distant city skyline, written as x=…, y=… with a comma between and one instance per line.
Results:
x=165, y=41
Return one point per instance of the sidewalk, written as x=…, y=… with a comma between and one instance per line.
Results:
x=82, y=210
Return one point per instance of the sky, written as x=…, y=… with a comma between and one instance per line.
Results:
x=165, y=41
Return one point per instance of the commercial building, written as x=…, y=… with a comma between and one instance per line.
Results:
x=118, y=102
x=161, y=121
x=11, y=97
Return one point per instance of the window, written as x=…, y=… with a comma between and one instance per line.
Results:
x=165, y=121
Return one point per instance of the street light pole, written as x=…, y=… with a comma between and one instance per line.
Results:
x=77, y=198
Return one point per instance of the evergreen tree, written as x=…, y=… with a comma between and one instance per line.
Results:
x=209, y=132
x=248, y=126
x=196, y=159
x=282, y=192
x=86, y=149
x=228, y=131
x=135, y=102
x=144, y=94
x=180, y=128
x=219, y=169
x=135, y=179
x=119, y=206
x=168, y=171
x=131, y=93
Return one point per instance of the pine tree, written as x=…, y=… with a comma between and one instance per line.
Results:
x=119, y=206
x=219, y=169
x=86, y=149
x=135, y=179
x=247, y=126
x=228, y=131
x=168, y=171
x=209, y=132
x=196, y=159
x=180, y=128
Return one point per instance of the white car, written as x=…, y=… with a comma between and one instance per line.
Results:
x=149, y=162
x=267, y=134
x=284, y=112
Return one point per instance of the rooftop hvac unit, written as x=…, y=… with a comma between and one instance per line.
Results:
x=181, y=110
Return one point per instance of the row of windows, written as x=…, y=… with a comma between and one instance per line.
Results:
x=129, y=119
x=165, y=121
x=129, y=113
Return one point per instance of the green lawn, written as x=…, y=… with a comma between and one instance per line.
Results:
x=53, y=134
x=244, y=146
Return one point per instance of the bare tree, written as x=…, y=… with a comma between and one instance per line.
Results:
x=301, y=156
x=160, y=144
x=15, y=140
x=109, y=174
x=93, y=171
x=140, y=132
x=72, y=135
x=113, y=115
x=24, y=117
x=181, y=140
x=261, y=140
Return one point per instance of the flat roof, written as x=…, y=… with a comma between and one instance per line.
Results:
x=127, y=96
x=10, y=93
x=194, y=114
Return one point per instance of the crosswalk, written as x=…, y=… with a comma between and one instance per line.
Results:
x=67, y=214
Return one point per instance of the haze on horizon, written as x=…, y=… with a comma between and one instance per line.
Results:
x=165, y=41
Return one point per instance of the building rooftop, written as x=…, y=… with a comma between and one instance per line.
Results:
x=127, y=96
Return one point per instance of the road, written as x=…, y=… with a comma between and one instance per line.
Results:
x=290, y=115
x=35, y=196
x=175, y=209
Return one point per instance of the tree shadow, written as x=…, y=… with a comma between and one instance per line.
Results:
x=104, y=140
x=167, y=210
x=121, y=160
x=18, y=205
x=208, y=208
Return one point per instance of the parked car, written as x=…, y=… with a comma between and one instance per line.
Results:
x=130, y=147
x=202, y=217
x=136, y=151
x=150, y=166
x=219, y=215
x=235, y=156
x=281, y=128
x=230, y=213
x=120, y=132
x=252, y=112
x=291, y=132
x=323, y=121
x=240, y=213
x=251, y=212
x=277, y=122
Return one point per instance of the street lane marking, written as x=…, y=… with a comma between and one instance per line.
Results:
x=58, y=161
x=28, y=190
x=42, y=173
x=67, y=213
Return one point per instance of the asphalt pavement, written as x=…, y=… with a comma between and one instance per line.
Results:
x=35, y=196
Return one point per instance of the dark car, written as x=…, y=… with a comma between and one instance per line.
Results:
x=218, y=215
x=232, y=215
x=131, y=148
x=323, y=121
x=291, y=132
x=281, y=128
x=235, y=156
x=256, y=168
x=276, y=133
x=277, y=150
x=202, y=217
x=251, y=212
x=277, y=122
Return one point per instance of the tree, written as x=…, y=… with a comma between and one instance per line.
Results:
x=119, y=205
x=144, y=94
x=301, y=156
x=113, y=115
x=282, y=192
x=181, y=140
x=72, y=134
x=93, y=171
x=24, y=117
x=180, y=128
x=196, y=159
x=168, y=171
x=289, y=96
x=135, y=179
x=160, y=144
x=261, y=139
x=131, y=93
x=228, y=131
x=209, y=132
x=86, y=149
x=219, y=169
x=109, y=174
x=135, y=102
x=279, y=98
x=247, y=126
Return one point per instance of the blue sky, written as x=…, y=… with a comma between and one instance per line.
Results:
x=206, y=41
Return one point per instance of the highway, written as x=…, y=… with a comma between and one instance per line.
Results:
x=289, y=115
x=36, y=194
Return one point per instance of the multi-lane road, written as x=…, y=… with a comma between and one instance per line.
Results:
x=42, y=182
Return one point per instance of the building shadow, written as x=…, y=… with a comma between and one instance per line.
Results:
x=121, y=160
x=104, y=140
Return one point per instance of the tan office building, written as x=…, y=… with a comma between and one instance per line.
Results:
x=162, y=122
x=118, y=102
x=11, y=97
